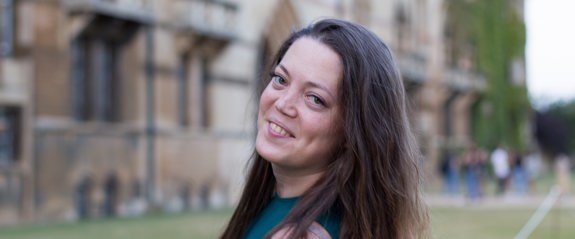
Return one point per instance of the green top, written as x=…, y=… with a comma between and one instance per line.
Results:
x=278, y=209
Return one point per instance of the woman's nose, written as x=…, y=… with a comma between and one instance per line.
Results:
x=286, y=104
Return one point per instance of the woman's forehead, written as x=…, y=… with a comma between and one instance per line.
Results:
x=311, y=60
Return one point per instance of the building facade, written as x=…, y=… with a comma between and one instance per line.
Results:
x=115, y=107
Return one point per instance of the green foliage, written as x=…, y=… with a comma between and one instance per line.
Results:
x=565, y=112
x=496, y=33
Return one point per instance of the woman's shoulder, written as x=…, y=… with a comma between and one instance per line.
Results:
x=315, y=231
x=331, y=222
x=327, y=226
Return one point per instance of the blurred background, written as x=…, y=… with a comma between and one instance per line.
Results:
x=136, y=118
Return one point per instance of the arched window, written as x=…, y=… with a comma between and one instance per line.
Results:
x=82, y=197
x=95, y=58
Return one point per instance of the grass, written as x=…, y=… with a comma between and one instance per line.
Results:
x=447, y=223
x=495, y=223
x=188, y=225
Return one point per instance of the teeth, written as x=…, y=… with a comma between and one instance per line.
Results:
x=279, y=130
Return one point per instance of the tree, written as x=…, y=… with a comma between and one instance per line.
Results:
x=495, y=33
x=555, y=128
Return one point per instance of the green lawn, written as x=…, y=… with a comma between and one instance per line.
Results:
x=502, y=223
x=189, y=225
x=446, y=223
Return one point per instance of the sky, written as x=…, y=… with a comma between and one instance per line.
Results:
x=550, y=50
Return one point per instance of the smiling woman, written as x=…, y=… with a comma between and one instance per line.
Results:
x=298, y=127
x=334, y=155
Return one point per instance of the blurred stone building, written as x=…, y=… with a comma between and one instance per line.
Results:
x=112, y=107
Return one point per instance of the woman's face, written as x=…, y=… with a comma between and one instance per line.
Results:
x=299, y=119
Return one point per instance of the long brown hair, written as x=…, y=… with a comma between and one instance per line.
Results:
x=374, y=180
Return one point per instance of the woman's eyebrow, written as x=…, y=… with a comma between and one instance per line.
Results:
x=312, y=84
x=284, y=69
x=315, y=85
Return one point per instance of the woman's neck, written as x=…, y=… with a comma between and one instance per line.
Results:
x=290, y=184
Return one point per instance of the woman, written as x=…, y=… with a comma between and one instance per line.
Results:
x=335, y=157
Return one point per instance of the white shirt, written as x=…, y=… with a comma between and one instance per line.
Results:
x=500, y=162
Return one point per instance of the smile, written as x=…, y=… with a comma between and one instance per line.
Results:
x=279, y=130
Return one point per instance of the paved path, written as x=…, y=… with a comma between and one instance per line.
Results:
x=505, y=201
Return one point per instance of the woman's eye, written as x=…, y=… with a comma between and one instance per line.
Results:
x=316, y=100
x=278, y=79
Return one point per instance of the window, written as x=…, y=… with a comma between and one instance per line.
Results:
x=95, y=79
x=6, y=27
x=183, y=99
x=402, y=22
x=96, y=57
x=9, y=135
x=204, y=97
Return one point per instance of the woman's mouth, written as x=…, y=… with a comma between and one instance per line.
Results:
x=279, y=130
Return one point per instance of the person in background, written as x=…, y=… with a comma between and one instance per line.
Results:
x=533, y=169
x=449, y=170
x=500, y=163
x=474, y=163
x=334, y=154
x=519, y=174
